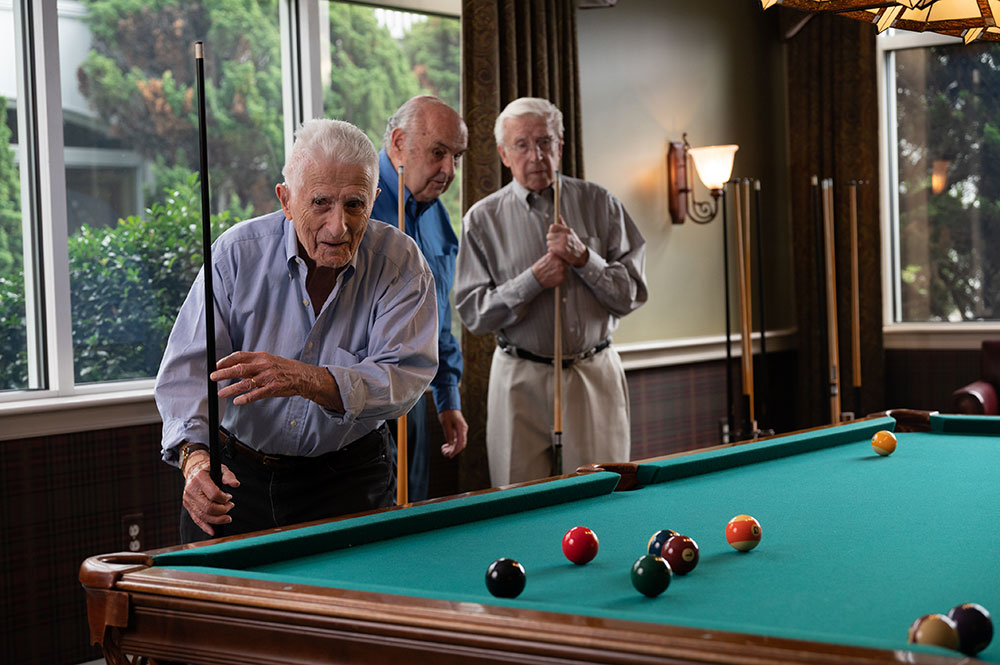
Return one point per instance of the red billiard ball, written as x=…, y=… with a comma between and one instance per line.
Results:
x=743, y=533
x=974, y=626
x=934, y=629
x=884, y=442
x=681, y=553
x=658, y=540
x=580, y=545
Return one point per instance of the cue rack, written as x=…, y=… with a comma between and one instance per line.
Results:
x=825, y=285
x=746, y=198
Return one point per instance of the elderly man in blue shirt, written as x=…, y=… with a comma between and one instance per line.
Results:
x=427, y=137
x=325, y=328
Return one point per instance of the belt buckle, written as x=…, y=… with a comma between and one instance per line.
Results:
x=270, y=461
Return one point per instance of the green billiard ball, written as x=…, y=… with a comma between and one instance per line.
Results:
x=651, y=575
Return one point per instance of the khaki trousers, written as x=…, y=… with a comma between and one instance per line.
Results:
x=595, y=415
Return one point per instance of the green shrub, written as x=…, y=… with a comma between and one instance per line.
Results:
x=128, y=282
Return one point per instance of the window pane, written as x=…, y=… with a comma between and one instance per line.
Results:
x=378, y=58
x=13, y=322
x=948, y=105
x=131, y=147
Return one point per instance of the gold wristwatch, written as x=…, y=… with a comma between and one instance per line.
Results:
x=186, y=449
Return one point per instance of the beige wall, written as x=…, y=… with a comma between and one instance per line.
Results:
x=650, y=71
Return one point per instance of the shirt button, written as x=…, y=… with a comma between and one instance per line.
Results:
x=298, y=260
x=309, y=346
x=293, y=423
x=305, y=301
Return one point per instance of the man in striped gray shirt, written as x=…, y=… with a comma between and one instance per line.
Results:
x=512, y=254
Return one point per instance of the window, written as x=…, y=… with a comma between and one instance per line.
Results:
x=129, y=156
x=13, y=315
x=100, y=215
x=944, y=180
x=377, y=58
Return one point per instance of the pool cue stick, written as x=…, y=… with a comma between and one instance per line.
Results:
x=818, y=284
x=557, y=356
x=214, y=464
x=746, y=352
x=762, y=411
x=729, y=346
x=402, y=468
x=831, y=302
x=748, y=284
x=855, y=302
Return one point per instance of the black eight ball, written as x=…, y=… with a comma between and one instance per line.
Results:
x=505, y=578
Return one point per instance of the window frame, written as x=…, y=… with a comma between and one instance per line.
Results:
x=908, y=335
x=65, y=406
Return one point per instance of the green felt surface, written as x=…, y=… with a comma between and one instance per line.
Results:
x=855, y=546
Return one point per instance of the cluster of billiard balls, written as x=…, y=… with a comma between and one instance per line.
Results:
x=966, y=628
x=668, y=553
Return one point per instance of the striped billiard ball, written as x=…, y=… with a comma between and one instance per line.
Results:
x=743, y=533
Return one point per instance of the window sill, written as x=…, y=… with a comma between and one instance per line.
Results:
x=125, y=404
x=91, y=410
x=944, y=336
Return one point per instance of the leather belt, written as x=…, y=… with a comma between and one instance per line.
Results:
x=355, y=449
x=512, y=350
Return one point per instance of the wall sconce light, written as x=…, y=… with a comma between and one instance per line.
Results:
x=714, y=165
x=939, y=175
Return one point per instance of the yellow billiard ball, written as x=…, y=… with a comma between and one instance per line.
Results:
x=884, y=442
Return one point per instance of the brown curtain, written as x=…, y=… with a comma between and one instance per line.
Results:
x=833, y=132
x=510, y=49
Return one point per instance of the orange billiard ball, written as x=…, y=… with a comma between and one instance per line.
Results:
x=743, y=533
x=884, y=442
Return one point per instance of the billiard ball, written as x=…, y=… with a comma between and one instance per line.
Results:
x=934, y=629
x=975, y=629
x=743, y=533
x=659, y=539
x=650, y=575
x=681, y=553
x=505, y=578
x=580, y=545
x=884, y=442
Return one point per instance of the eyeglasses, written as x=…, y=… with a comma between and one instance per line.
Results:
x=523, y=146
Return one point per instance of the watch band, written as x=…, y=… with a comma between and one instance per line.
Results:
x=186, y=450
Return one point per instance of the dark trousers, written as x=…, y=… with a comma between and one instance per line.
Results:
x=361, y=476
x=417, y=449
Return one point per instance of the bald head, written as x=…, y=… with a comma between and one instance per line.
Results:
x=427, y=137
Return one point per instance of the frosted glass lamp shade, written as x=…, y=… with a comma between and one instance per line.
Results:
x=714, y=164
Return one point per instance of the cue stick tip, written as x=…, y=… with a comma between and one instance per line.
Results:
x=199, y=50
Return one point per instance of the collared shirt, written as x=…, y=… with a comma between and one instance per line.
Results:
x=376, y=334
x=429, y=225
x=504, y=234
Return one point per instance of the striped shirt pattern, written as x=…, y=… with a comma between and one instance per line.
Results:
x=504, y=234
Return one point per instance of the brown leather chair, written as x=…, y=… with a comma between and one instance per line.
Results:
x=980, y=396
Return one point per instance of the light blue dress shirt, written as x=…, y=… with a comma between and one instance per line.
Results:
x=429, y=225
x=376, y=334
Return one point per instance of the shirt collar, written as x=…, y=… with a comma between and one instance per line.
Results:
x=526, y=196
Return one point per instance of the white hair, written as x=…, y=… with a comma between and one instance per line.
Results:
x=530, y=106
x=330, y=140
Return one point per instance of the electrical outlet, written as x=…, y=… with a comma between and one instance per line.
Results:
x=132, y=529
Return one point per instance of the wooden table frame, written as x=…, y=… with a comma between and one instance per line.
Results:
x=143, y=614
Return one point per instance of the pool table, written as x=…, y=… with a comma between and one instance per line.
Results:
x=855, y=546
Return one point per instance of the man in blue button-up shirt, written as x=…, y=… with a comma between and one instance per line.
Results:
x=325, y=328
x=427, y=137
